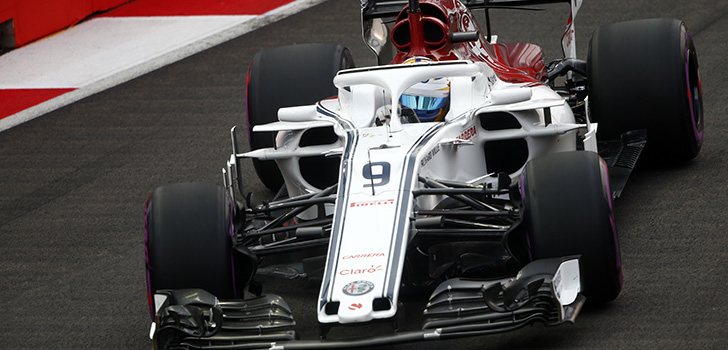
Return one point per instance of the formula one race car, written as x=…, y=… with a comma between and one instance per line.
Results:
x=460, y=167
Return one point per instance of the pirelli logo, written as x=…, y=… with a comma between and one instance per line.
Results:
x=372, y=203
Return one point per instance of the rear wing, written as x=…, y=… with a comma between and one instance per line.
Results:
x=375, y=11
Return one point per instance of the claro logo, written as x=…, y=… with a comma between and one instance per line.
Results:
x=365, y=270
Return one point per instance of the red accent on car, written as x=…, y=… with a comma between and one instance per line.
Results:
x=417, y=38
x=418, y=34
x=523, y=56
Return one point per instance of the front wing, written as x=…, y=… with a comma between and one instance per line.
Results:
x=545, y=291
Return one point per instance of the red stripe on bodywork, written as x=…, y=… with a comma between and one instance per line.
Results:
x=15, y=100
x=148, y=8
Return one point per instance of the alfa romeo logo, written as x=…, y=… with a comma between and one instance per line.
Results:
x=358, y=288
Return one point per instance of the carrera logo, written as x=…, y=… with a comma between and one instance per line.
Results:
x=369, y=270
x=372, y=203
x=362, y=256
x=355, y=306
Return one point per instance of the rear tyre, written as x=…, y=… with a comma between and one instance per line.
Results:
x=644, y=75
x=288, y=76
x=568, y=211
x=188, y=244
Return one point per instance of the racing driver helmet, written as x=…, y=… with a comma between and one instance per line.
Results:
x=429, y=99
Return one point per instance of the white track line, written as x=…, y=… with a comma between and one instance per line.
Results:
x=237, y=26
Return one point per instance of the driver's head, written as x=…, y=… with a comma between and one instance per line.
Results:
x=429, y=99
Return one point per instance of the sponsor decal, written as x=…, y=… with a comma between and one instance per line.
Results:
x=466, y=23
x=372, y=203
x=358, y=288
x=355, y=306
x=569, y=37
x=369, y=270
x=362, y=256
x=468, y=134
x=431, y=154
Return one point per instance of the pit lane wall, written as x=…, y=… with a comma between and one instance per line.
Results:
x=24, y=21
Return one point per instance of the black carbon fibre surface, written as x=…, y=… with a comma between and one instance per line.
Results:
x=73, y=184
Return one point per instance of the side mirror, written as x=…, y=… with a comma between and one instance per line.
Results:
x=509, y=96
x=374, y=33
x=298, y=114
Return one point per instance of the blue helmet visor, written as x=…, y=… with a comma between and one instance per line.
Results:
x=427, y=108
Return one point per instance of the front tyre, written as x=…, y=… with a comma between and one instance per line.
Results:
x=644, y=74
x=188, y=229
x=286, y=76
x=568, y=211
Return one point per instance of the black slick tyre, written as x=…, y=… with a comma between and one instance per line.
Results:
x=187, y=236
x=288, y=76
x=644, y=75
x=568, y=211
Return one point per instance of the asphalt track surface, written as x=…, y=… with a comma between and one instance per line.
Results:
x=73, y=184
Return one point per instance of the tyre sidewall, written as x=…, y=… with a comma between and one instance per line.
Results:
x=287, y=76
x=568, y=211
x=188, y=231
x=638, y=79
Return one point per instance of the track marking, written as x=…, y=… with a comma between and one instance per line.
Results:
x=226, y=30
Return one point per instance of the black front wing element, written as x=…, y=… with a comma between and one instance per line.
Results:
x=544, y=291
x=621, y=157
x=195, y=319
